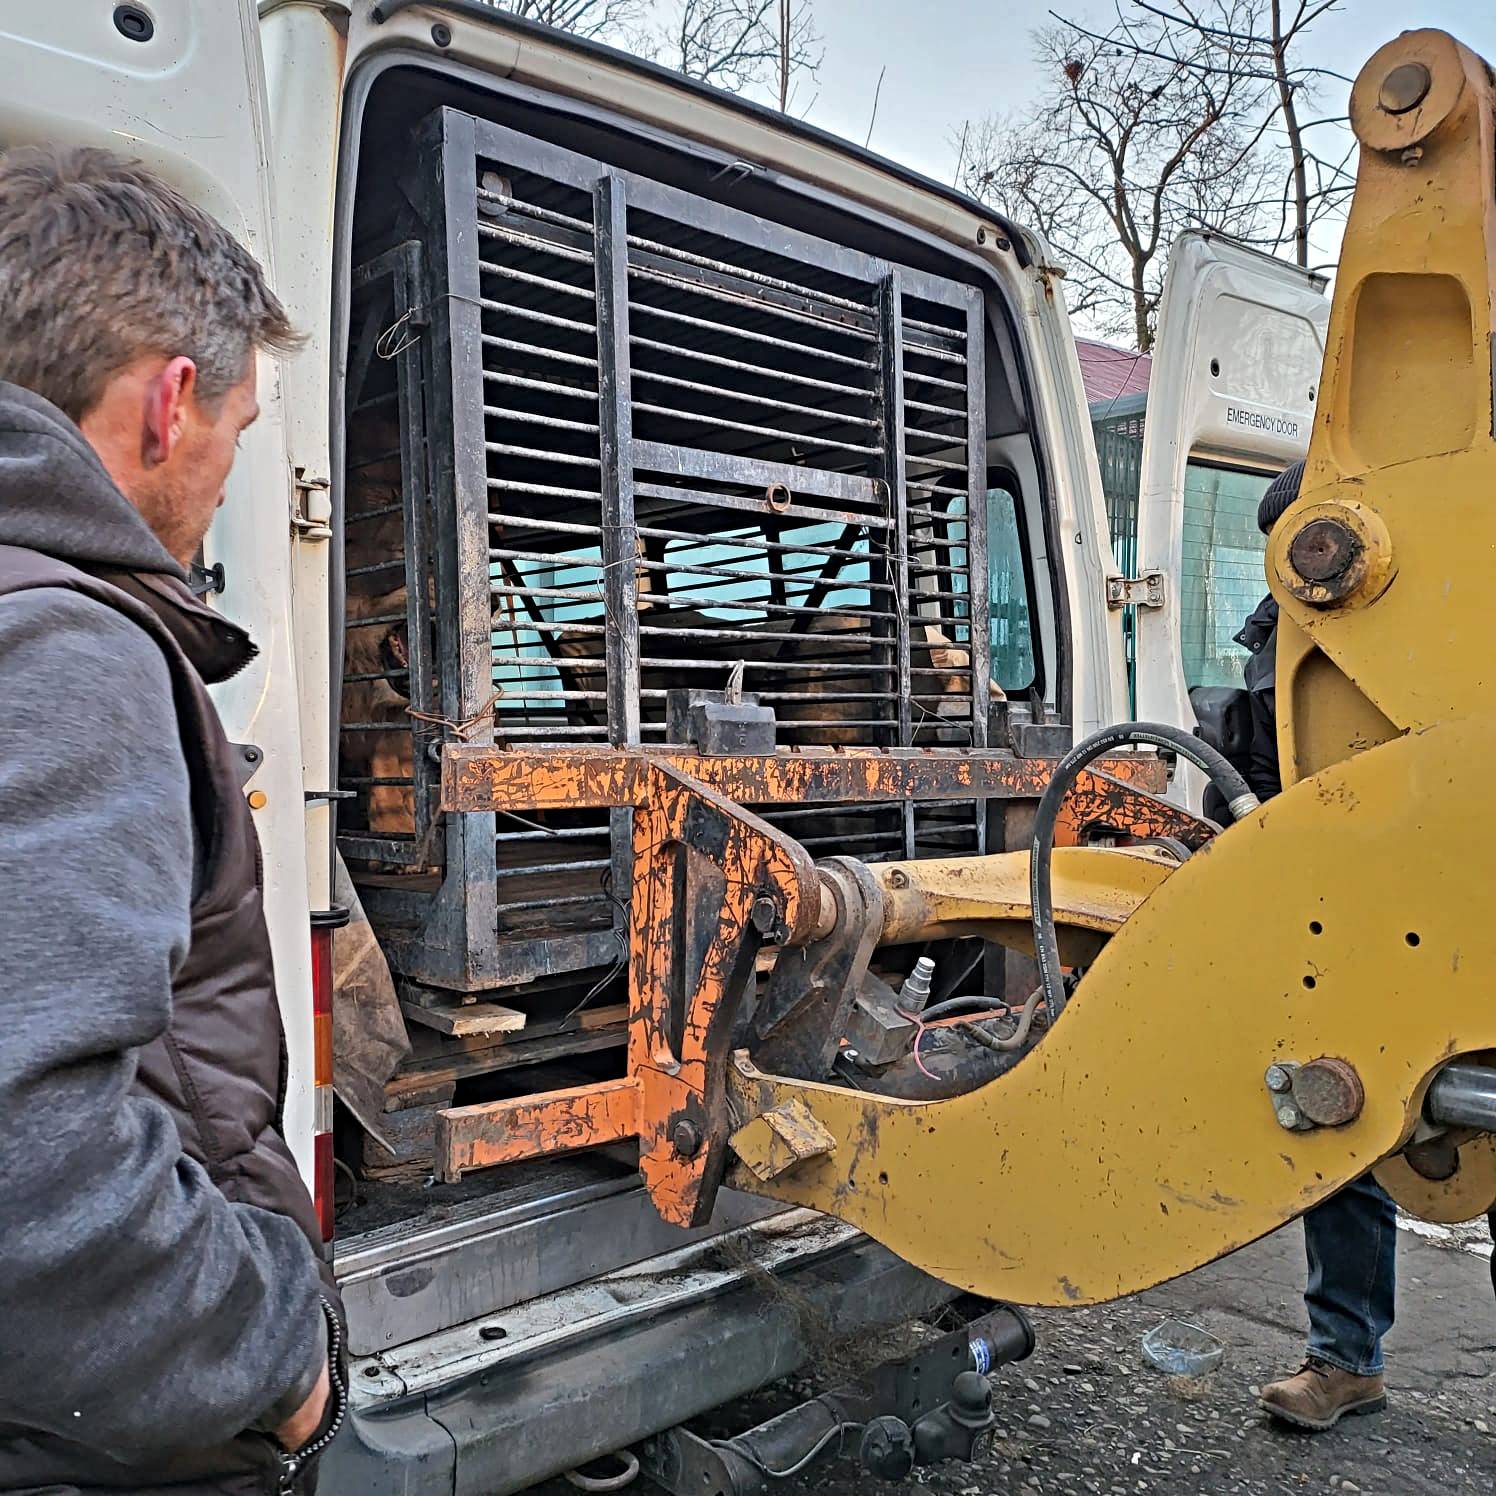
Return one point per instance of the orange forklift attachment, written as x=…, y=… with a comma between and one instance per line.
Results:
x=713, y=885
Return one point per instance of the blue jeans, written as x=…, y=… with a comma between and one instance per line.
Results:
x=1351, y=1239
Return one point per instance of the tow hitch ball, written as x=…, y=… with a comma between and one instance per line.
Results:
x=960, y=1430
x=931, y=1407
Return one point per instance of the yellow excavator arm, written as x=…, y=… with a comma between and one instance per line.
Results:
x=1342, y=927
x=1260, y=1016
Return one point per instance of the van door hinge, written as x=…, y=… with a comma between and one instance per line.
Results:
x=1146, y=591
x=311, y=515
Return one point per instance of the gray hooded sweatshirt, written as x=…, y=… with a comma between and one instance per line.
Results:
x=143, y=1313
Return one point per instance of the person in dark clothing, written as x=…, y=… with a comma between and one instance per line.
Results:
x=168, y=1321
x=1259, y=634
x=1259, y=637
x=1351, y=1238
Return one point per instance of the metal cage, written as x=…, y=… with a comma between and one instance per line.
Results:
x=637, y=441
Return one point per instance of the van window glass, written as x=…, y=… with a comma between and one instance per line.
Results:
x=1012, y=623
x=1221, y=572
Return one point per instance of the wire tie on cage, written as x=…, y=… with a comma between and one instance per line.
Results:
x=391, y=343
x=461, y=728
x=415, y=316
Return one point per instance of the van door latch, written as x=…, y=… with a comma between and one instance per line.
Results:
x=1146, y=591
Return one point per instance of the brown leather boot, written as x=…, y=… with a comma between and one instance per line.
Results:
x=1319, y=1395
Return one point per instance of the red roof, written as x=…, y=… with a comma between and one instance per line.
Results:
x=1110, y=372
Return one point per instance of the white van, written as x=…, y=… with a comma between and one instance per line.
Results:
x=829, y=410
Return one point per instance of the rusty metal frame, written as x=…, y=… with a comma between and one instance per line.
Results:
x=461, y=947
x=400, y=271
x=1121, y=793
x=714, y=884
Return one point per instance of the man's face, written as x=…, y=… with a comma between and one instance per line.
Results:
x=169, y=452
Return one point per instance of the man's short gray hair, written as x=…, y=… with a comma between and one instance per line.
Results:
x=101, y=264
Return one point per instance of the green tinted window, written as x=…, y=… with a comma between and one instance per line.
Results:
x=1012, y=626
x=1221, y=575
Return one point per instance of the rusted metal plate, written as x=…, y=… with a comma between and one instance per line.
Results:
x=1125, y=802
x=712, y=884
x=504, y=1132
x=488, y=779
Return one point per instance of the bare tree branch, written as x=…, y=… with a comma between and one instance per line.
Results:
x=606, y=20
x=1266, y=40
x=1144, y=129
x=744, y=46
x=873, y=117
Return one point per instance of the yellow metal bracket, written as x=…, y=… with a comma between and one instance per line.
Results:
x=1138, y=1140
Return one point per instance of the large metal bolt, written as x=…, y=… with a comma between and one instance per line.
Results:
x=1329, y=1092
x=1405, y=87
x=765, y=915
x=685, y=1138
x=1324, y=550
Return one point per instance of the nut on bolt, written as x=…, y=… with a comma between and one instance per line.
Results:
x=1288, y=1116
x=1279, y=1081
x=685, y=1138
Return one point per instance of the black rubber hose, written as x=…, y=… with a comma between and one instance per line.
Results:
x=977, y=1004
x=1017, y=1039
x=1238, y=795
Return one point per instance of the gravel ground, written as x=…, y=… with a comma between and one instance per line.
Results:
x=1085, y=1413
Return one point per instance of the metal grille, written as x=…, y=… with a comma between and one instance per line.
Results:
x=673, y=444
x=388, y=676
x=1118, y=428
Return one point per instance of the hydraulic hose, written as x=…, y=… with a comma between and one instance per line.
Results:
x=976, y=1003
x=1018, y=1038
x=1237, y=793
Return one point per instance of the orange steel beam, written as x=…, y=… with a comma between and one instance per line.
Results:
x=505, y=1132
x=1119, y=791
x=476, y=778
x=713, y=884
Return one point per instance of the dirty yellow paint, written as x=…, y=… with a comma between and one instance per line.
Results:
x=1094, y=892
x=1402, y=443
x=775, y=1142
x=1348, y=917
x=1138, y=1141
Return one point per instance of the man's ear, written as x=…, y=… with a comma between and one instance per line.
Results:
x=168, y=399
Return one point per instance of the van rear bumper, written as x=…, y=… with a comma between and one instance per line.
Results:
x=473, y=1412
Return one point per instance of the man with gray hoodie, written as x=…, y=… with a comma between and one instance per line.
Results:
x=167, y=1323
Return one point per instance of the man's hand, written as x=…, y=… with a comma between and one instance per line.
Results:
x=303, y=1423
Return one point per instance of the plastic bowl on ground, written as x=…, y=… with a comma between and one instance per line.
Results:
x=1182, y=1349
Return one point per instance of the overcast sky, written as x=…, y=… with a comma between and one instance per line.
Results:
x=948, y=59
